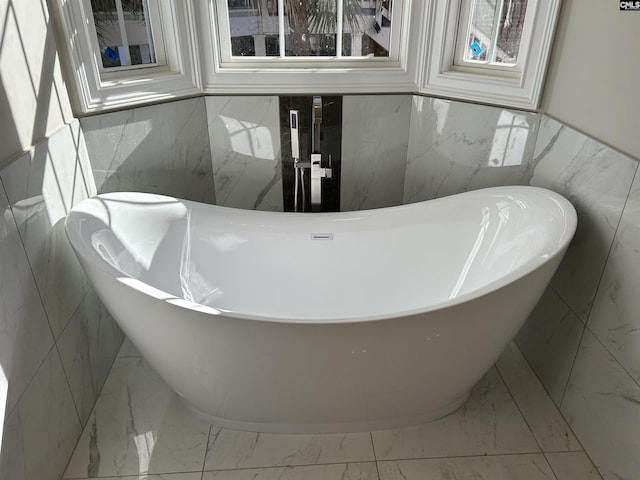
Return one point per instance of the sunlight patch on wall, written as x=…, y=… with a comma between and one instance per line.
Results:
x=249, y=138
x=509, y=140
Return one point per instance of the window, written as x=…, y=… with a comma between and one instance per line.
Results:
x=491, y=51
x=128, y=52
x=312, y=28
x=491, y=32
x=126, y=34
x=310, y=46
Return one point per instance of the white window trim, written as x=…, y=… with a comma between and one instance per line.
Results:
x=223, y=27
x=425, y=64
x=461, y=48
x=329, y=75
x=98, y=90
x=155, y=19
x=483, y=84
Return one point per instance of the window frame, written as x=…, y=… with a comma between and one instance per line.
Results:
x=425, y=63
x=96, y=89
x=157, y=34
x=483, y=83
x=506, y=70
x=222, y=18
x=310, y=75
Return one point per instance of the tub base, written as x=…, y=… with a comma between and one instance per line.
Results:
x=346, y=427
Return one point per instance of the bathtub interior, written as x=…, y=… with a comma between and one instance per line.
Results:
x=376, y=264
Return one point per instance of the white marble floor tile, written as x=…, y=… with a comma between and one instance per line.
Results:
x=501, y=467
x=345, y=471
x=88, y=346
x=572, y=466
x=549, y=340
x=233, y=449
x=128, y=349
x=163, y=476
x=488, y=423
x=602, y=405
x=551, y=431
x=138, y=426
x=41, y=431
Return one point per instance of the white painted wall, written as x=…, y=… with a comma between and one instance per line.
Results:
x=33, y=97
x=593, y=82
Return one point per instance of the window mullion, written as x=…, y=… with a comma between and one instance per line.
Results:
x=339, y=27
x=493, y=47
x=147, y=22
x=281, y=32
x=123, y=32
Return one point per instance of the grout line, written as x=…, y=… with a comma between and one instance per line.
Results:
x=580, y=451
x=375, y=457
x=475, y=455
x=557, y=407
x=132, y=476
x=573, y=364
x=26, y=254
x=546, y=460
x=624, y=369
x=590, y=136
x=569, y=307
x=206, y=451
x=288, y=466
x=46, y=315
x=68, y=385
x=524, y=417
x=595, y=296
x=35, y=373
x=445, y=457
x=91, y=413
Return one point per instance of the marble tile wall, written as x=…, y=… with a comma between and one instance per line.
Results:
x=52, y=328
x=244, y=135
x=158, y=149
x=579, y=336
x=375, y=136
x=582, y=338
x=597, y=180
x=455, y=147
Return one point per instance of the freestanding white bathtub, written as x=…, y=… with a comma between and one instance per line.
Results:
x=322, y=322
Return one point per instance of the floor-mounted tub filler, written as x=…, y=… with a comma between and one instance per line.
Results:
x=318, y=322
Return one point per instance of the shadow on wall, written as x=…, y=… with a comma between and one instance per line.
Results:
x=33, y=100
x=156, y=149
x=41, y=282
x=9, y=137
x=42, y=286
x=246, y=157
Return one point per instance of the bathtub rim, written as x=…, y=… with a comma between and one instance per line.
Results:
x=87, y=254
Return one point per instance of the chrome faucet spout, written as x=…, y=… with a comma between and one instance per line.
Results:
x=316, y=124
x=317, y=171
